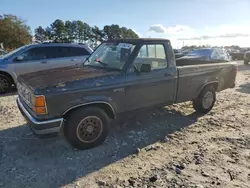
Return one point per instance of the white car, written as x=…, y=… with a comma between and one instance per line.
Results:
x=37, y=57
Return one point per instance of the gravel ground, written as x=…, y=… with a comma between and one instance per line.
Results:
x=168, y=147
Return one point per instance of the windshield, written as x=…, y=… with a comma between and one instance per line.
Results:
x=12, y=52
x=111, y=55
x=200, y=52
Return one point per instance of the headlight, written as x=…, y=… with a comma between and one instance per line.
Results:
x=36, y=102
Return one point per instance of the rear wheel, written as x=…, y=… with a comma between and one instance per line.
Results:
x=205, y=101
x=5, y=83
x=86, y=127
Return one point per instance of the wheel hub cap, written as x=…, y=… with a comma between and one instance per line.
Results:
x=208, y=100
x=89, y=129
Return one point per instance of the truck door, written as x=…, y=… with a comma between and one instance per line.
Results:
x=157, y=87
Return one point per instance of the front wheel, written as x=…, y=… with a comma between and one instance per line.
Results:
x=86, y=128
x=205, y=101
x=245, y=62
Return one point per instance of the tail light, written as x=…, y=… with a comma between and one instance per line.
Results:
x=236, y=70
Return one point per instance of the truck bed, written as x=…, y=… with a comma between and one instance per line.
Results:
x=194, y=77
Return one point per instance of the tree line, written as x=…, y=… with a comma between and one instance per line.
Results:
x=81, y=32
x=14, y=32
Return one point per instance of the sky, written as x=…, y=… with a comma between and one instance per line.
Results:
x=184, y=22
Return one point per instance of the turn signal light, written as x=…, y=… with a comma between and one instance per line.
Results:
x=40, y=110
x=39, y=105
x=39, y=101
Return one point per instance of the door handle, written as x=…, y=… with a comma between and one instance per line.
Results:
x=73, y=59
x=44, y=62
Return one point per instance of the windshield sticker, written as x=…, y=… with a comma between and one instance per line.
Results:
x=125, y=45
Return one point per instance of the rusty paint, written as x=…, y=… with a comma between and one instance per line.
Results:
x=60, y=85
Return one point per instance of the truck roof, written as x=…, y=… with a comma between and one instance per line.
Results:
x=139, y=40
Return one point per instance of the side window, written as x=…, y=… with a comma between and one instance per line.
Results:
x=34, y=54
x=58, y=52
x=76, y=51
x=153, y=54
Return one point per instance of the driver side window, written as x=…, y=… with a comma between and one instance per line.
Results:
x=152, y=54
x=34, y=54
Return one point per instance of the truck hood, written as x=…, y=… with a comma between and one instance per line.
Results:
x=67, y=78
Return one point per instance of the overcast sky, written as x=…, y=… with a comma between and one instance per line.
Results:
x=215, y=22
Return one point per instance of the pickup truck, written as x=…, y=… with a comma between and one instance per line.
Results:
x=121, y=75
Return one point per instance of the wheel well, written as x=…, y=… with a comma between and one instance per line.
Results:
x=214, y=84
x=105, y=107
x=8, y=75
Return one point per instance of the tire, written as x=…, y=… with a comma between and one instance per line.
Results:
x=205, y=101
x=85, y=124
x=5, y=84
x=245, y=62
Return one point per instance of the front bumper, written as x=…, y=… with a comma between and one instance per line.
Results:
x=40, y=127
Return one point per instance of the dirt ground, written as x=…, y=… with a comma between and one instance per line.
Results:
x=168, y=147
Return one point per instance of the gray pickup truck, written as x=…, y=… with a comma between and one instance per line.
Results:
x=119, y=76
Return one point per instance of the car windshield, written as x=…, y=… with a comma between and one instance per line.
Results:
x=111, y=55
x=200, y=52
x=12, y=52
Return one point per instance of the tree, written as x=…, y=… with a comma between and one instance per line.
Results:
x=58, y=31
x=97, y=36
x=78, y=31
x=86, y=32
x=40, y=34
x=14, y=32
x=114, y=31
x=79, y=35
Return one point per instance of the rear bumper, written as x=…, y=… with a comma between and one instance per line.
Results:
x=40, y=127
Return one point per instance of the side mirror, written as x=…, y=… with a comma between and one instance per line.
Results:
x=19, y=58
x=145, y=68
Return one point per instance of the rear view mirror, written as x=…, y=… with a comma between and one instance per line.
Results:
x=19, y=58
x=145, y=68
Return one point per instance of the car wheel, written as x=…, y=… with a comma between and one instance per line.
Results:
x=86, y=128
x=205, y=101
x=245, y=62
x=5, y=84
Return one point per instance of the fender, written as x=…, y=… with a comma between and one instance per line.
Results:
x=86, y=103
x=206, y=84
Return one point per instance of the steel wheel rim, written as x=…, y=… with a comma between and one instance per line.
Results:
x=3, y=84
x=208, y=100
x=89, y=129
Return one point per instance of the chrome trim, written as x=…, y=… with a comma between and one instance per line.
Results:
x=88, y=103
x=33, y=120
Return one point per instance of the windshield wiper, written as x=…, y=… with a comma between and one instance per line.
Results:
x=103, y=64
